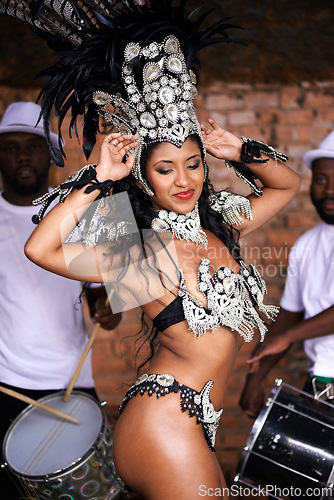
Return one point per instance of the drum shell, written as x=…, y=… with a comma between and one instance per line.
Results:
x=291, y=444
x=91, y=475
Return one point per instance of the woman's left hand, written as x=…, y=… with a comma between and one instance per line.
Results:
x=221, y=143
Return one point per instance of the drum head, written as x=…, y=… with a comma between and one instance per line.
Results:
x=39, y=443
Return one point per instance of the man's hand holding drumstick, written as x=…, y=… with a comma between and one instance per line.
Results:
x=103, y=316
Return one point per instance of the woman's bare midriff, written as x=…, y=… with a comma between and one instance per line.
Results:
x=194, y=361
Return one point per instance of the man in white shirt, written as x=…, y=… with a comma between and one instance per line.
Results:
x=307, y=304
x=42, y=330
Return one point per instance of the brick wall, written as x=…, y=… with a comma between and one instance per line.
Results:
x=293, y=119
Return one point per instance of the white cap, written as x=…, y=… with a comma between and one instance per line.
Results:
x=23, y=117
x=325, y=150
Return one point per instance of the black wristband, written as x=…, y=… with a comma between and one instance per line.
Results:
x=86, y=176
x=251, y=153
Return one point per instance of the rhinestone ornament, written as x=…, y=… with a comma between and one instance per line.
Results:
x=183, y=226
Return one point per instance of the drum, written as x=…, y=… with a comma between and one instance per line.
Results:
x=57, y=459
x=290, y=449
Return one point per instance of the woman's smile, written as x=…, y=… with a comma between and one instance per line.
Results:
x=185, y=195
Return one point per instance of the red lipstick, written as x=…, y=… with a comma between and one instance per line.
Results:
x=185, y=195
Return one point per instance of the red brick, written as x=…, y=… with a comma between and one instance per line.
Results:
x=223, y=102
x=106, y=366
x=234, y=440
x=229, y=420
x=251, y=130
x=268, y=116
x=285, y=238
x=319, y=99
x=325, y=117
x=231, y=400
x=219, y=117
x=256, y=100
x=291, y=95
x=295, y=152
x=238, y=118
x=300, y=220
x=303, y=116
x=286, y=133
x=242, y=88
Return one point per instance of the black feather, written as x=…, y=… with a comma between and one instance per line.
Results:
x=89, y=38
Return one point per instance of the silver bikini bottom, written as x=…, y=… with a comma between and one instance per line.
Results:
x=196, y=404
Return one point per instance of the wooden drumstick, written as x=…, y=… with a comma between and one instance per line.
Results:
x=81, y=362
x=82, y=359
x=33, y=402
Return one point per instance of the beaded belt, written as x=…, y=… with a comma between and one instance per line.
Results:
x=196, y=404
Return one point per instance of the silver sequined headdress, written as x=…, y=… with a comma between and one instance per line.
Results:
x=160, y=108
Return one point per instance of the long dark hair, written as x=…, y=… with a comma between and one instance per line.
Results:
x=144, y=213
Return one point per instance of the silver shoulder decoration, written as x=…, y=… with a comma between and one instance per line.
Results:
x=105, y=220
x=233, y=207
x=98, y=235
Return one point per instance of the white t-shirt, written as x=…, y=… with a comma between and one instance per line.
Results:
x=309, y=287
x=42, y=330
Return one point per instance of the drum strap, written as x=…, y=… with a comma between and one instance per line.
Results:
x=323, y=390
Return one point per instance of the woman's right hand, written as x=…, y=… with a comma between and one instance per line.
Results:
x=113, y=149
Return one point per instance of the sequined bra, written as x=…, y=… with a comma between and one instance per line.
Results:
x=232, y=299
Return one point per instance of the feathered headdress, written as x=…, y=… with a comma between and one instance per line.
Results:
x=137, y=56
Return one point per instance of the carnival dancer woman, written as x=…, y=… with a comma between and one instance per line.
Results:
x=136, y=71
x=159, y=451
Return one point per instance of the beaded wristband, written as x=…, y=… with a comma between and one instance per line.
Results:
x=86, y=176
x=251, y=153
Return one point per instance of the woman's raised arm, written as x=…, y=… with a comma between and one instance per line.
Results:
x=280, y=183
x=45, y=247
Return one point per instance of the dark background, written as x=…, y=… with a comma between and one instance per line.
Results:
x=287, y=42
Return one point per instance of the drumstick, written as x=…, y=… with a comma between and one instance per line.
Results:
x=33, y=402
x=82, y=359
x=81, y=362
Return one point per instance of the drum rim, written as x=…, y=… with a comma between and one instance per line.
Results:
x=62, y=472
x=256, y=429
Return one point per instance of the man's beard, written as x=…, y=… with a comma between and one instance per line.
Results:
x=329, y=219
x=26, y=189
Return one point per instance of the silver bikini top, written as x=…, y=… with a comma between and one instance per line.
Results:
x=232, y=299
